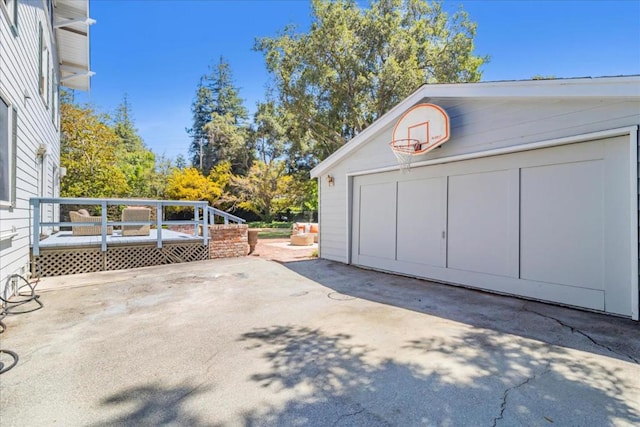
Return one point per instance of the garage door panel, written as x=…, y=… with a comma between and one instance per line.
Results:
x=617, y=239
x=378, y=220
x=562, y=224
x=480, y=223
x=422, y=221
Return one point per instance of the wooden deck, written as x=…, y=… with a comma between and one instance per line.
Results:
x=63, y=253
x=64, y=239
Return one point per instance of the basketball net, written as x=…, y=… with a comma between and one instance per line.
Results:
x=405, y=150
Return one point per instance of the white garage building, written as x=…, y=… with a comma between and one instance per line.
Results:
x=535, y=193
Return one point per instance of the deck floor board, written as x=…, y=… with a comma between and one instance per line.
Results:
x=66, y=239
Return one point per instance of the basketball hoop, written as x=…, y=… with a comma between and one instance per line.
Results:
x=421, y=128
x=405, y=150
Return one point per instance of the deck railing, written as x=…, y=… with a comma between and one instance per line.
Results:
x=203, y=215
x=213, y=212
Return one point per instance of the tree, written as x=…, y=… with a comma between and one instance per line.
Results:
x=228, y=143
x=201, y=109
x=218, y=102
x=89, y=152
x=163, y=169
x=190, y=184
x=269, y=133
x=265, y=190
x=181, y=163
x=353, y=65
x=135, y=160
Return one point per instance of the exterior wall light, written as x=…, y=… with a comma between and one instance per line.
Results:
x=330, y=180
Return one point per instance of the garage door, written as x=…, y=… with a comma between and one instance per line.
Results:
x=551, y=224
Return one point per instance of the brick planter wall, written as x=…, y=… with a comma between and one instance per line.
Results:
x=228, y=241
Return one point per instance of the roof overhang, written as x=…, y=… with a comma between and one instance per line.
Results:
x=71, y=24
x=624, y=87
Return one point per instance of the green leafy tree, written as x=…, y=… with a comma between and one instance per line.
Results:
x=354, y=64
x=228, y=143
x=269, y=133
x=135, y=160
x=216, y=108
x=163, y=169
x=89, y=148
x=181, y=162
x=265, y=190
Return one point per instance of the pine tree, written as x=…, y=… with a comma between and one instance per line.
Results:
x=219, y=131
x=201, y=108
x=135, y=160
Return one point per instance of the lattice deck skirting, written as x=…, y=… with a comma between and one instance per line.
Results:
x=59, y=262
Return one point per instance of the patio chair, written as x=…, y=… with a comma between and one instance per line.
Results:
x=306, y=228
x=82, y=215
x=136, y=214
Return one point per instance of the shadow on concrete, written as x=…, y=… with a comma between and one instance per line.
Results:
x=483, y=380
x=572, y=328
x=153, y=405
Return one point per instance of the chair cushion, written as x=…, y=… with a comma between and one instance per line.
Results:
x=83, y=212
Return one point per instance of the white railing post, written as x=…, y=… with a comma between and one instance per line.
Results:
x=196, y=218
x=205, y=224
x=36, y=226
x=103, y=221
x=159, y=223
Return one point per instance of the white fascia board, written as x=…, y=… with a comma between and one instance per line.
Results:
x=626, y=87
x=600, y=87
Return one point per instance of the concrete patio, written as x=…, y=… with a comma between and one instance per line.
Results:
x=250, y=342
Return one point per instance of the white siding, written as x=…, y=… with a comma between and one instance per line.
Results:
x=19, y=85
x=476, y=125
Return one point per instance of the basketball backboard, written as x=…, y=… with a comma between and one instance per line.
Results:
x=426, y=123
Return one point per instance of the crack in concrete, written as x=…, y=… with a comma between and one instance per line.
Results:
x=505, y=395
x=343, y=416
x=587, y=336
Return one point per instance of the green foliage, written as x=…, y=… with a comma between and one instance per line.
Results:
x=107, y=158
x=158, y=183
x=270, y=224
x=274, y=234
x=354, y=64
x=269, y=133
x=135, y=160
x=89, y=152
x=265, y=190
x=219, y=125
x=228, y=143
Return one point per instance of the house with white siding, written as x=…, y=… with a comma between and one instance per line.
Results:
x=533, y=194
x=43, y=44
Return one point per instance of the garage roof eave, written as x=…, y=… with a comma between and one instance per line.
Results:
x=627, y=87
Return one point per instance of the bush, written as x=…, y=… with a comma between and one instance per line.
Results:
x=273, y=224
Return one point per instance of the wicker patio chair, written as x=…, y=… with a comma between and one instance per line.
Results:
x=87, y=230
x=136, y=214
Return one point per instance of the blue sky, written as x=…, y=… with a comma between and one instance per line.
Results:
x=156, y=50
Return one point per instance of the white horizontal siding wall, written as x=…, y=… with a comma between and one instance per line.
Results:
x=37, y=124
x=476, y=125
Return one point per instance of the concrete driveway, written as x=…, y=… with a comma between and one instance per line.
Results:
x=249, y=342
